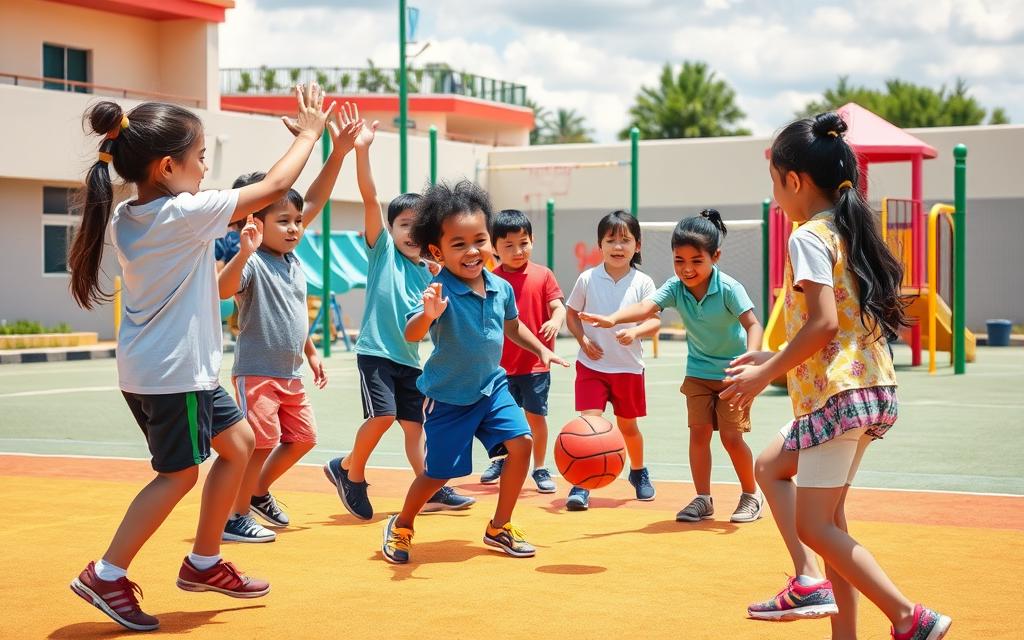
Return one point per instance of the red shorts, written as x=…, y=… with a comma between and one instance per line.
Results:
x=278, y=409
x=595, y=389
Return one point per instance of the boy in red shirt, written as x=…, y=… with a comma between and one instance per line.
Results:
x=539, y=300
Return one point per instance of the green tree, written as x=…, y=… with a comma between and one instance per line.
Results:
x=906, y=104
x=563, y=127
x=541, y=116
x=692, y=103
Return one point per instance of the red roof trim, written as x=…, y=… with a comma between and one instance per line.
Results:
x=208, y=10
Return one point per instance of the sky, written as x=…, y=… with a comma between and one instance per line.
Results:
x=595, y=55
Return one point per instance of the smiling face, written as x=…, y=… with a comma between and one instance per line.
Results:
x=184, y=175
x=514, y=249
x=618, y=247
x=465, y=246
x=693, y=265
x=282, y=227
x=400, y=232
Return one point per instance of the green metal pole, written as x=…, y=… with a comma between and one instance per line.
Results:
x=551, y=234
x=634, y=166
x=960, y=253
x=325, y=245
x=766, y=212
x=403, y=104
x=433, y=155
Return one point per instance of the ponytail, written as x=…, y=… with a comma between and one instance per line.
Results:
x=816, y=147
x=704, y=232
x=131, y=142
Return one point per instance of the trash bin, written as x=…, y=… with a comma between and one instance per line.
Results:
x=999, y=333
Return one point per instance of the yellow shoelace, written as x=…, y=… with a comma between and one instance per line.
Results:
x=517, y=534
x=402, y=541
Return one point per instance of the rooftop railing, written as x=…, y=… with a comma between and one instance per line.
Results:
x=61, y=84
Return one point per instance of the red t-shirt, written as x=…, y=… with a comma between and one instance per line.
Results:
x=534, y=287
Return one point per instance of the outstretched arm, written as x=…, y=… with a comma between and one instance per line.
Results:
x=373, y=217
x=521, y=335
x=343, y=129
x=640, y=312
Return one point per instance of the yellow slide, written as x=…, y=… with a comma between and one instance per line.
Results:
x=918, y=309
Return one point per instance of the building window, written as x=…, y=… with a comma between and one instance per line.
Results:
x=65, y=63
x=59, y=221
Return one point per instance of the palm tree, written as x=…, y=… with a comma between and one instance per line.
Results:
x=541, y=118
x=693, y=103
x=566, y=126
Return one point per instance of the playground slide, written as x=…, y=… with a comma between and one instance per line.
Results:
x=312, y=263
x=918, y=309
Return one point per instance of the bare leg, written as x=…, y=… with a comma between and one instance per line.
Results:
x=421, y=489
x=634, y=441
x=742, y=460
x=513, y=475
x=539, y=429
x=147, y=512
x=700, y=457
x=250, y=480
x=234, y=447
x=415, y=444
x=283, y=458
x=774, y=470
x=844, y=623
x=367, y=437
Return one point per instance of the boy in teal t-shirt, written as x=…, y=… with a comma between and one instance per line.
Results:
x=389, y=366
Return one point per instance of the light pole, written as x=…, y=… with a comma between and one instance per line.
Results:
x=403, y=104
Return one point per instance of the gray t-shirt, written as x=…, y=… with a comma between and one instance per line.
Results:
x=170, y=340
x=272, y=318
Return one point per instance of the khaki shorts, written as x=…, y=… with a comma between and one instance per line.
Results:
x=704, y=407
x=834, y=463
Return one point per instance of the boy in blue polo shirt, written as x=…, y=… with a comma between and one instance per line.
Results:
x=468, y=312
x=720, y=326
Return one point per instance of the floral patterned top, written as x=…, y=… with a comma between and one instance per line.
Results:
x=855, y=358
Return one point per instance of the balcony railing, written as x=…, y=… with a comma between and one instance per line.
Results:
x=60, y=84
x=369, y=80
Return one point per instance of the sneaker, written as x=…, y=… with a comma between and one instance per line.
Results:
x=544, y=482
x=222, y=577
x=267, y=508
x=797, y=602
x=928, y=625
x=509, y=539
x=749, y=508
x=116, y=598
x=493, y=472
x=641, y=481
x=578, y=500
x=397, y=542
x=352, y=494
x=446, y=499
x=698, y=509
x=246, y=529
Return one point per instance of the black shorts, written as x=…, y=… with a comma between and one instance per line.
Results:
x=180, y=426
x=389, y=389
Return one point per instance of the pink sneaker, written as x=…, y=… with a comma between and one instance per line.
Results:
x=796, y=602
x=116, y=598
x=928, y=625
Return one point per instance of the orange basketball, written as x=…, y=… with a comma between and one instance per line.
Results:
x=590, y=452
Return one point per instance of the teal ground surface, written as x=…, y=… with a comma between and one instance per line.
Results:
x=955, y=433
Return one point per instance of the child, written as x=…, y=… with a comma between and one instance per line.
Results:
x=610, y=366
x=842, y=305
x=388, y=364
x=466, y=389
x=268, y=282
x=720, y=326
x=169, y=346
x=539, y=300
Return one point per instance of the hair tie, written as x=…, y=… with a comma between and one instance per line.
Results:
x=112, y=135
x=106, y=154
x=834, y=134
x=105, y=157
x=845, y=184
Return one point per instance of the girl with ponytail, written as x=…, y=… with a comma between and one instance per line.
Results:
x=720, y=325
x=842, y=305
x=169, y=345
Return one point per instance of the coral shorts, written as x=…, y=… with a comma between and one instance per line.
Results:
x=278, y=409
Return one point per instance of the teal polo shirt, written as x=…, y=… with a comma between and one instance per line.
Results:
x=468, y=338
x=394, y=285
x=714, y=335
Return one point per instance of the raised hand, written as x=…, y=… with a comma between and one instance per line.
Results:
x=311, y=117
x=344, y=126
x=433, y=304
x=367, y=134
x=595, y=320
x=251, y=235
x=590, y=348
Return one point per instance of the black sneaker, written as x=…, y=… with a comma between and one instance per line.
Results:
x=246, y=529
x=267, y=508
x=641, y=481
x=493, y=472
x=542, y=477
x=578, y=500
x=446, y=499
x=352, y=494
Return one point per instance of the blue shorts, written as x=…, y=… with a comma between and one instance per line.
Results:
x=531, y=391
x=450, y=428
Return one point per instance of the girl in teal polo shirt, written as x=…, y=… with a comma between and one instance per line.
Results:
x=720, y=325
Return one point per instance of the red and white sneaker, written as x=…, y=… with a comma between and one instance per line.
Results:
x=116, y=598
x=222, y=577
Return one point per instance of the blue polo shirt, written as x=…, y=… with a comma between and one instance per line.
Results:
x=714, y=335
x=465, y=365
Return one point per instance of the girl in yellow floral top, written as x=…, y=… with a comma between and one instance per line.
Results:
x=842, y=305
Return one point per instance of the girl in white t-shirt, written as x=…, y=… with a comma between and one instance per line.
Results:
x=169, y=345
x=610, y=366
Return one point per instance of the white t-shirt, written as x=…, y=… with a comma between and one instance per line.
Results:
x=811, y=259
x=170, y=339
x=595, y=292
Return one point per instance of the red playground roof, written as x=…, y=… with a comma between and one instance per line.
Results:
x=878, y=140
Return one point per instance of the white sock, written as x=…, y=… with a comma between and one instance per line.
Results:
x=707, y=498
x=109, y=572
x=203, y=562
x=807, y=581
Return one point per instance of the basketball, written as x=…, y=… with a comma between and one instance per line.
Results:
x=590, y=452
